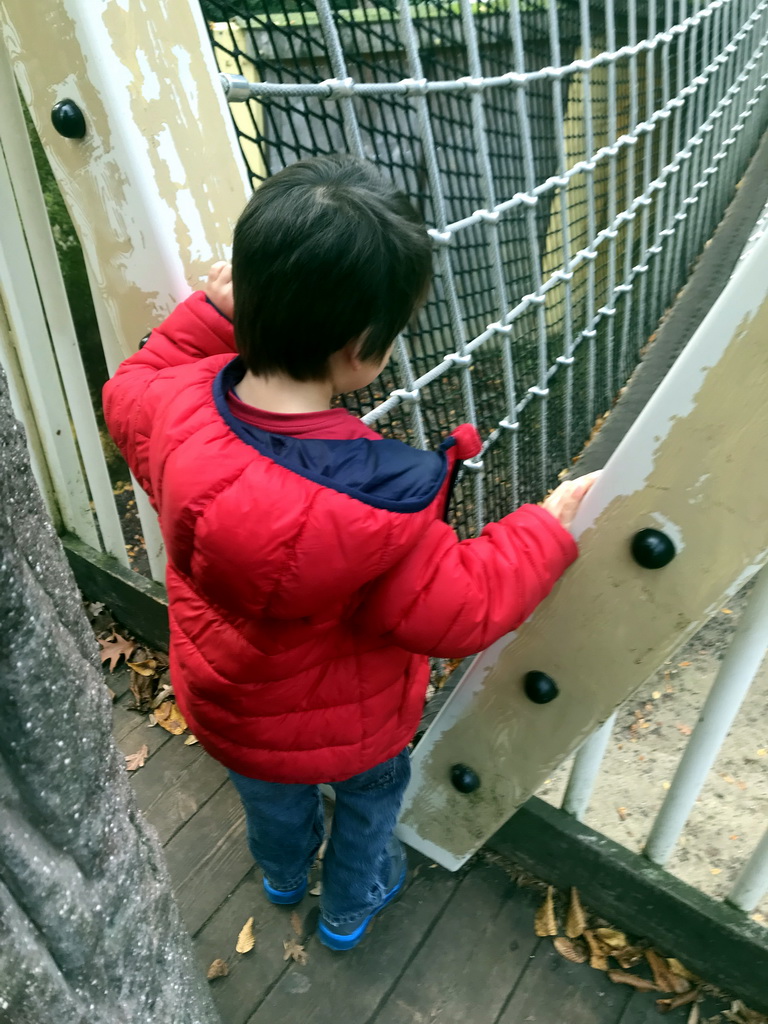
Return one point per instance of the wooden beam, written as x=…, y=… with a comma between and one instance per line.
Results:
x=139, y=604
x=611, y=621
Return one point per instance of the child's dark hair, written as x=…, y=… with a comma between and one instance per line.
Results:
x=325, y=250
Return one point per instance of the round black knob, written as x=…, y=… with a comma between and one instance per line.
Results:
x=540, y=688
x=68, y=120
x=652, y=549
x=464, y=778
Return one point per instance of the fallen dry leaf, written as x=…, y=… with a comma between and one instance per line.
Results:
x=743, y=1015
x=611, y=938
x=218, y=969
x=625, y=978
x=170, y=718
x=134, y=761
x=666, y=980
x=142, y=688
x=681, y=970
x=628, y=957
x=665, y=1005
x=245, y=940
x=597, y=957
x=162, y=695
x=144, y=668
x=622, y=813
x=576, y=921
x=570, y=950
x=191, y=740
x=545, y=922
x=295, y=951
x=116, y=647
x=296, y=924
x=686, y=730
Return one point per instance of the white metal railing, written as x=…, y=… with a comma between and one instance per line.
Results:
x=742, y=660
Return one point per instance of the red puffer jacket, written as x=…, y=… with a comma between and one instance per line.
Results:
x=308, y=579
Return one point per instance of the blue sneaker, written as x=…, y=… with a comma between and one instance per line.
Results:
x=347, y=936
x=285, y=897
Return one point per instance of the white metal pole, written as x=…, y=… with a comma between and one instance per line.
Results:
x=585, y=768
x=752, y=883
x=738, y=669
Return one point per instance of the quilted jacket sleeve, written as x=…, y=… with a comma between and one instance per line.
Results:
x=194, y=330
x=450, y=598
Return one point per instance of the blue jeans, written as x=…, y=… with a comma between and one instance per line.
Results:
x=286, y=826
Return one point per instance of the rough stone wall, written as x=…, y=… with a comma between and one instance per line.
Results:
x=89, y=932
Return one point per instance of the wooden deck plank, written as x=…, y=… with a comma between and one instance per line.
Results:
x=554, y=991
x=251, y=975
x=468, y=966
x=208, y=857
x=124, y=718
x=347, y=988
x=135, y=733
x=181, y=780
x=641, y=1009
x=119, y=681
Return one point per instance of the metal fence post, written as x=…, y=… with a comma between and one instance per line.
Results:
x=738, y=668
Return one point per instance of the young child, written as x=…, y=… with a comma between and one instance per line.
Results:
x=310, y=569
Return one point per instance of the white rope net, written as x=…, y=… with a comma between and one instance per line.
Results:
x=572, y=160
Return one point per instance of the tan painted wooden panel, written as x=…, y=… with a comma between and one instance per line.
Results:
x=694, y=466
x=156, y=185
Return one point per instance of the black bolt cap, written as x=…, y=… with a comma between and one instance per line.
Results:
x=540, y=688
x=68, y=120
x=464, y=778
x=652, y=549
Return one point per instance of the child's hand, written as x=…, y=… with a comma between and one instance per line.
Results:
x=218, y=288
x=563, y=502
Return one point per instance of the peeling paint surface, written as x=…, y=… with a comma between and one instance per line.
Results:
x=152, y=206
x=166, y=150
x=150, y=86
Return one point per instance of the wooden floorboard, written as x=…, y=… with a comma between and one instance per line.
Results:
x=181, y=781
x=132, y=732
x=455, y=949
x=641, y=1009
x=467, y=967
x=348, y=988
x=251, y=975
x=553, y=991
x=208, y=857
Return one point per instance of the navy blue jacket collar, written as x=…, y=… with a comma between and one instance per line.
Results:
x=382, y=473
